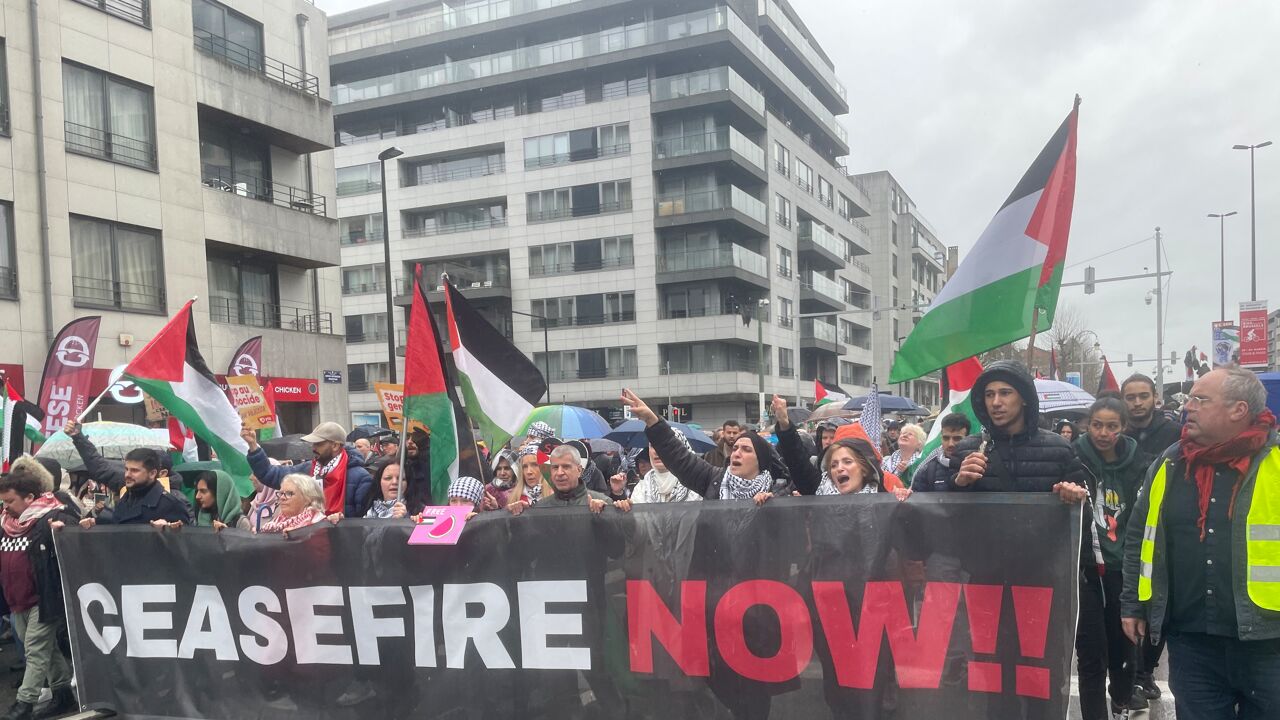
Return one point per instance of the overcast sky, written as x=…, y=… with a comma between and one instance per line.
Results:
x=956, y=99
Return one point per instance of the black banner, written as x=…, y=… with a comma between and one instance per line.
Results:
x=847, y=607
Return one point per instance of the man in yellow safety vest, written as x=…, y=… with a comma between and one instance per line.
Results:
x=1202, y=557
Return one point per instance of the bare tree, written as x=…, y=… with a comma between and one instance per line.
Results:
x=1074, y=343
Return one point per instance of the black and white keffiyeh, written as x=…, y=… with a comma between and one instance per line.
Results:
x=733, y=487
x=827, y=486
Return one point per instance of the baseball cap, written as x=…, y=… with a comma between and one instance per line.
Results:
x=326, y=432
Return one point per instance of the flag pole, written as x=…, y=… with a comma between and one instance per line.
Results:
x=1031, y=342
x=404, y=417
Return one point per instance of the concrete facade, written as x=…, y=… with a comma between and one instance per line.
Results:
x=194, y=83
x=734, y=193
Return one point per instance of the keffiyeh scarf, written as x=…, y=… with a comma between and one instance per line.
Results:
x=664, y=487
x=733, y=487
x=16, y=527
x=827, y=486
x=280, y=524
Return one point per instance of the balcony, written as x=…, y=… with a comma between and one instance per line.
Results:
x=734, y=261
x=572, y=374
x=930, y=254
x=592, y=153
x=255, y=62
x=818, y=335
x=89, y=292
x=568, y=213
x=821, y=245
x=360, y=238
x=719, y=145
x=372, y=336
x=726, y=202
x=432, y=229
x=297, y=318
x=350, y=188
x=608, y=318
x=474, y=283
x=438, y=20
x=84, y=140
x=816, y=64
x=714, y=85
x=256, y=188
x=818, y=293
x=427, y=175
x=363, y=288
x=568, y=268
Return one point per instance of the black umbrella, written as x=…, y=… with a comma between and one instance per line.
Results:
x=289, y=447
x=797, y=415
x=367, y=431
x=889, y=404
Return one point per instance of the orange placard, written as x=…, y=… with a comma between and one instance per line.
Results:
x=391, y=397
x=247, y=398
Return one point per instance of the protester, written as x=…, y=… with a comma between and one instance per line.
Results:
x=363, y=447
x=659, y=485
x=939, y=472
x=217, y=502
x=592, y=477
x=910, y=440
x=389, y=446
x=537, y=432
x=262, y=505
x=145, y=499
x=619, y=490
x=466, y=492
x=1115, y=462
x=729, y=432
x=302, y=503
x=1021, y=457
x=32, y=584
x=531, y=480
x=1193, y=573
x=889, y=437
x=346, y=482
x=384, y=500
x=1153, y=430
x=502, y=491
x=826, y=433
x=847, y=466
x=566, y=483
x=1066, y=429
x=99, y=469
x=416, y=472
x=755, y=472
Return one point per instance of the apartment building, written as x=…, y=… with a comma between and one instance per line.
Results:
x=909, y=266
x=155, y=151
x=639, y=193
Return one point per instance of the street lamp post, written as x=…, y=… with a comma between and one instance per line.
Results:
x=761, y=306
x=1097, y=345
x=1253, y=220
x=546, y=349
x=389, y=154
x=1222, y=253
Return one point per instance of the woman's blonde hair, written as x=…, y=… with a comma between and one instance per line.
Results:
x=915, y=430
x=308, y=488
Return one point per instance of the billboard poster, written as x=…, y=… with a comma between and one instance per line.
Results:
x=1253, y=334
x=1226, y=344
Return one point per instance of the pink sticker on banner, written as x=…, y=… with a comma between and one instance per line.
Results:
x=440, y=525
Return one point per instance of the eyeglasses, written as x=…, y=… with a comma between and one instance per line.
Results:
x=286, y=494
x=1198, y=400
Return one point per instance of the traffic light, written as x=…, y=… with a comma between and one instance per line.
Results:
x=1089, y=274
x=1130, y=359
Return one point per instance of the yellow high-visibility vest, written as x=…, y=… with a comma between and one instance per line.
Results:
x=1262, y=534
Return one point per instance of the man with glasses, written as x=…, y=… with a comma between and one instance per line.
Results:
x=1202, y=556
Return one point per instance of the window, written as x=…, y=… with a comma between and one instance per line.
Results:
x=895, y=296
x=359, y=179
x=581, y=256
x=782, y=210
x=460, y=218
x=784, y=262
x=598, y=309
x=804, y=176
x=588, y=364
x=844, y=206
x=227, y=34
x=8, y=268
x=826, y=194
x=360, y=229
x=367, y=328
x=4, y=89
x=893, y=265
x=362, y=376
x=108, y=117
x=548, y=204
x=362, y=279
x=781, y=158
x=615, y=139
x=135, y=11
x=615, y=196
x=579, y=201
x=116, y=266
x=848, y=375
x=711, y=357
x=235, y=162
x=784, y=313
x=458, y=167
x=786, y=362
x=242, y=293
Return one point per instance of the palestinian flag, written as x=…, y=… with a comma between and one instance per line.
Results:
x=429, y=399
x=1007, y=286
x=499, y=382
x=21, y=420
x=827, y=394
x=958, y=380
x=172, y=371
x=1107, y=381
x=1053, y=364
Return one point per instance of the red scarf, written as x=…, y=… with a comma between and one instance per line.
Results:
x=16, y=527
x=334, y=482
x=1236, y=453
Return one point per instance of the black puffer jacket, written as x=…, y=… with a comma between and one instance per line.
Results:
x=1035, y=459
x=701, y=476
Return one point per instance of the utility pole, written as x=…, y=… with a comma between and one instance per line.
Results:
x=1159, y=318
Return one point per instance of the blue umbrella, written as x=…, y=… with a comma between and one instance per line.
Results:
x=630, y=434
x=889, y=404
x=568, y=421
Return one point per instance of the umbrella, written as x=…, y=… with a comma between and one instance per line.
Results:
x=797, y=415
x=367, y=431
x=600, y=445
x=630, y=434
x=829, y=411
x=289, y=447
x=114, y=440
x=568, y=421
x=1062, y=397
x=889, y=404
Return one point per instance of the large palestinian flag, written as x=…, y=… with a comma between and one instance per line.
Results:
x=429, y=400
x=826, y=394
x=171, y=370
x=958, y=380
x=499, y=382
x=1011, y=275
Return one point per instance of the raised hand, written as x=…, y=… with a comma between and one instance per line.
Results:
x=71, y=429
x=972, y=469
x=250, y=437
x=778, y=408
x=638, y=407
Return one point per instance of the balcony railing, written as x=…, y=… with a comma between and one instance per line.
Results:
x=805, y=185
x=254, y=61
x=256, y=188
x=735, y=256
x=567, y=374
x=717, y=364
x=135, y=11
x=432, y=229
x=787, y=322
x=103, y=293
x=582, y=155
x=608, y=318
x=388, y=31
x=762, y=314
x=298, y=318
x=604, y=208
x=725, y=138
x=822, y=237
x=782, y=167
x=706, y=81
x=782, y=219
x=771, y=10
x=463, y=277
x=604, y=263
x=378, y=336
x=373, y=286
x=595, y=44
x=725, y=197
x=361, y=238
x=428, y=174
x=859, y=264
x=8, y=282
x=822, y=285
x=811, y=329
x=784, y=271
x=87, y=140
x=827, y=200
x=358, y=187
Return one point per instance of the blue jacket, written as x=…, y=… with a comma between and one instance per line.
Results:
x=359, y=482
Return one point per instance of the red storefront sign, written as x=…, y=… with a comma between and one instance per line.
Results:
x=1253, y=334
x=298, y=390
x=14, y=373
